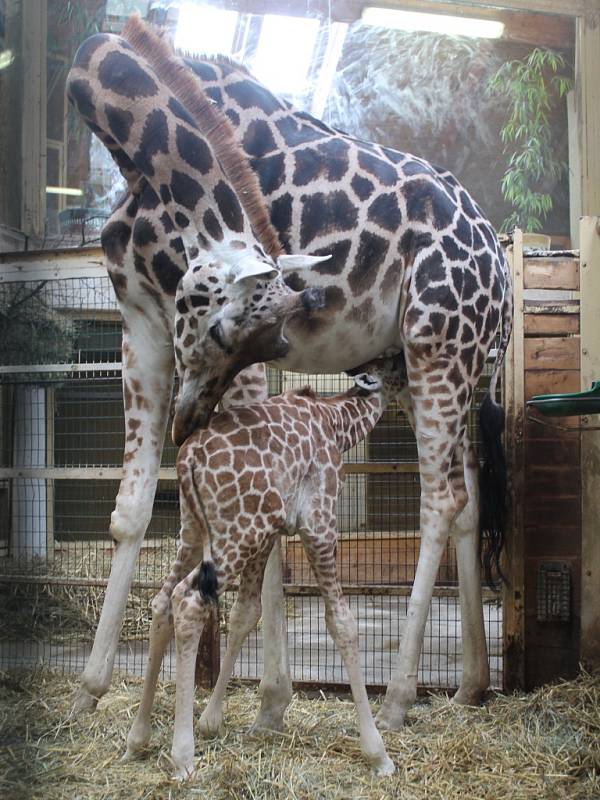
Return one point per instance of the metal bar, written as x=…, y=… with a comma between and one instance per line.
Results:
x=556, y=427
x=170, y=473
x=16, y=369
x=292, y=590
x=380, y=467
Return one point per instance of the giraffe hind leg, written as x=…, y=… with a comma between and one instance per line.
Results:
x=475, y=677
x=161, y=633
x=439, y=424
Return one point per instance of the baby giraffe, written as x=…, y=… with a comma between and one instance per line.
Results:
x=259, y=471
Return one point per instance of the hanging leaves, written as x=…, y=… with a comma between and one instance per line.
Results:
x=527, y=134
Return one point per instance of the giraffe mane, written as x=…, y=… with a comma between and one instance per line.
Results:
x=211, y=122
x=220, y=59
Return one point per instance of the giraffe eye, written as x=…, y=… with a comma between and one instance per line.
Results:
x=216, y=334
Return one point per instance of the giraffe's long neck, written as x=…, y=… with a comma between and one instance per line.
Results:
x=120, y=97
x=354, y=416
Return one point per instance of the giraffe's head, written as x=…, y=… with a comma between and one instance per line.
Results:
x=386, y=376
x=225, y=320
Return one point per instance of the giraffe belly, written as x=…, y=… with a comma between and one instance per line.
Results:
x=320, y=346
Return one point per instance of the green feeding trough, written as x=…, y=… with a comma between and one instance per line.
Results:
x=568, y=405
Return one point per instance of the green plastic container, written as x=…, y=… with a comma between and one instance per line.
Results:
x=568, y=405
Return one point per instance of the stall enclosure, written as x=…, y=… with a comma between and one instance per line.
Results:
x=61, y=449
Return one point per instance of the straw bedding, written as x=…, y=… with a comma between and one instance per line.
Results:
x=542, y=745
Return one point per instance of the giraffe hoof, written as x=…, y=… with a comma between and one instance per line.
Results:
x=210, y=723
x=390, y=720
x=384, y=767
x=185, y=773
x=84, y=703
x=468, y=697
x=266, y=722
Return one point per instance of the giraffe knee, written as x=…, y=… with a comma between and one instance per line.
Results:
x=129, y=524
x=161, y=606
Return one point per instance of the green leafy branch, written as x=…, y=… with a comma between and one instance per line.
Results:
x=527, y=135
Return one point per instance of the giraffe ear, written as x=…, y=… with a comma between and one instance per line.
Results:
x=251, y=268
x=368, y=382
x=289, y=263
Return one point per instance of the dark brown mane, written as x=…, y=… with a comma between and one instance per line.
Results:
x=211, y=122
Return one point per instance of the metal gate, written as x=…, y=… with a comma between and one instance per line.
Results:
x=61, y=438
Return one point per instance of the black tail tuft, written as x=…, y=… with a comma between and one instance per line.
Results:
x=206, y=582
x=492, y=489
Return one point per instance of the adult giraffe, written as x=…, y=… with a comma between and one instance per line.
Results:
x=415, y=267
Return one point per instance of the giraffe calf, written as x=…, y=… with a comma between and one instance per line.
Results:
x=259, y=471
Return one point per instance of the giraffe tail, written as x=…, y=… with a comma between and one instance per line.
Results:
x=493, y=472
x=205, y=580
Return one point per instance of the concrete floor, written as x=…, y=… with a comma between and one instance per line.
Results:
x=313, y=655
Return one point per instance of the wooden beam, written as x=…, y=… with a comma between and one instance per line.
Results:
x=559, y=352
x=587, y=110
x=590, y=446
x=349, y=10
x=551, y=273
x=514, y=399
x=33, y=141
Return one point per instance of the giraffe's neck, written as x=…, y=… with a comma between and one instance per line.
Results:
x=212, y=208
x=354, y=416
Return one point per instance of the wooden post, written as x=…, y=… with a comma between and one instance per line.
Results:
x=514, y=394
x=590, y=446
x=33, y=141
x=587, y=106
x=208, y=660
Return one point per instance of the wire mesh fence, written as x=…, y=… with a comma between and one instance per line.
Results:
x=61, y=440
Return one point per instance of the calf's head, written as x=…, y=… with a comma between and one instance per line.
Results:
x=226, y=319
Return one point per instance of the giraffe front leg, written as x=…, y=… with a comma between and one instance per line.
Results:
x=147, y=385
x=190, y=613
x=243, y=617
x=161, y=633
x=475, y=678
x=276, y=685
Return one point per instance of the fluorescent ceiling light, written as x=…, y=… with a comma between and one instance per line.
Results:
x=205, y=30
x=64, y=190
x=284, y=53
x=436, y=23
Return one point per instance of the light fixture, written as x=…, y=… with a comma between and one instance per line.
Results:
x=64, y=190
x=205, y=30
x=435, y=23
x=284, y=52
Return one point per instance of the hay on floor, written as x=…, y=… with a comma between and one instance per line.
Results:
x=527, y=747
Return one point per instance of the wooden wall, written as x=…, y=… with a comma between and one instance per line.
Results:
x=545, y=469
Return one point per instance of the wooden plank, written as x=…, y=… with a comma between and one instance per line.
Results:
x=551, y=273
x=551, y=324
x=369, y=560
x=380, y=467
x=574, y=167
x=552, y=353
x=590, y=445
x=551, y=381
x=33, y=137
x=80, y=262
x=208, y=658
x=514, y=563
